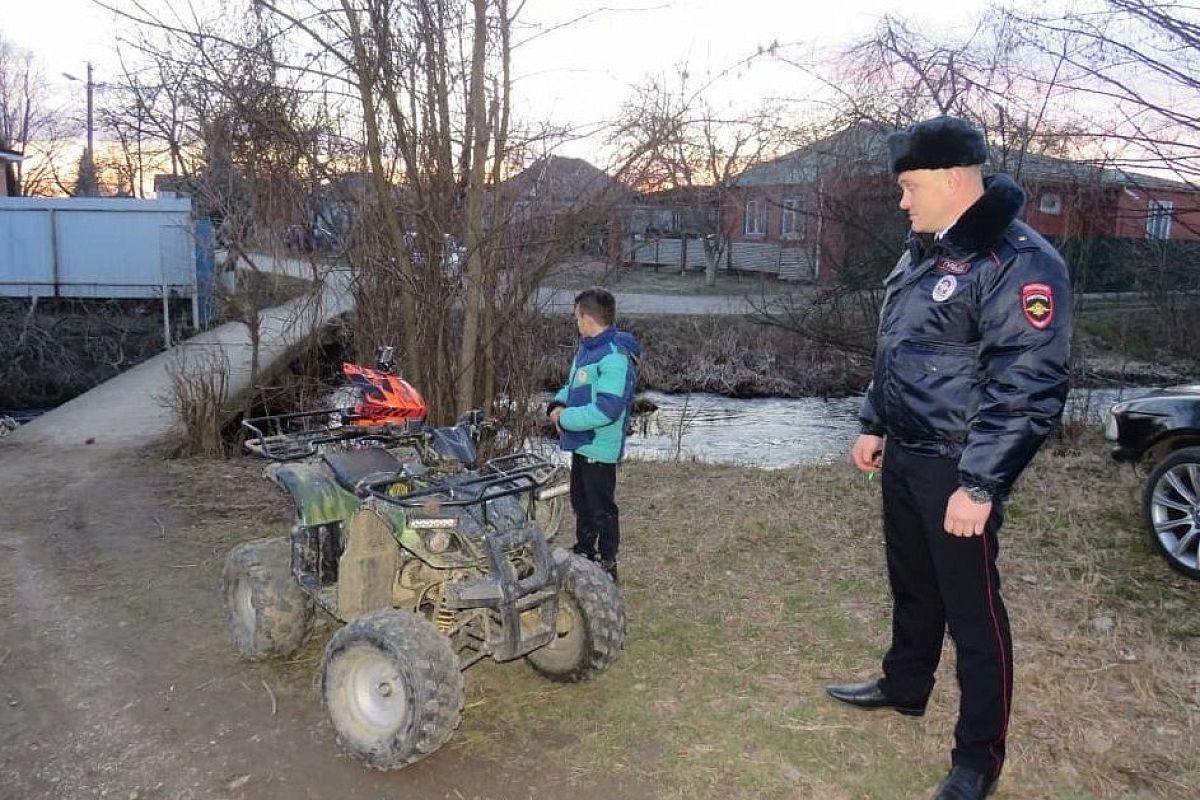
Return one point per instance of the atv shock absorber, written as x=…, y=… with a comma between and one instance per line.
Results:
x=444, y=617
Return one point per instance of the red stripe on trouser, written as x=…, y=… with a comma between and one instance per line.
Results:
x=987, y=574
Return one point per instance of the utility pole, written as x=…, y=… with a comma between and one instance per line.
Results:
x=87, y=180
x=91, y=126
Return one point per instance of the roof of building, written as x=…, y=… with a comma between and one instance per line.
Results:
x=558, y=179
x=862, y=150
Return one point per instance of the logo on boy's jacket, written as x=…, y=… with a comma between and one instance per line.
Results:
x=581, y=377
x=1037, y=301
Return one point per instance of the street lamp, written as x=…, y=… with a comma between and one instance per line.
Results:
x=89, y=157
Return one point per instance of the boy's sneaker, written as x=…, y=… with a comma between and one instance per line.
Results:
x=611, y=568
x=590, y=555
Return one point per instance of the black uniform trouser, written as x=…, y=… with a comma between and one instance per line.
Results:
x=941, y=580
x=594, y=499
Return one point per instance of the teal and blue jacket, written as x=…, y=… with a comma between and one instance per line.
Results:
x=598, y=395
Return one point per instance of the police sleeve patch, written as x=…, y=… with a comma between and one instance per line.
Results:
x=1037, y=303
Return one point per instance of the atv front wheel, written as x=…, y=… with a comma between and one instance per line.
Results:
x=590, y=633
x=266, y=611
x=391, y=686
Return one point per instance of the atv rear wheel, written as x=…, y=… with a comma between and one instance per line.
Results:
x=549, y=514
x=391, y=686
x=266, y=611
x=590, y=625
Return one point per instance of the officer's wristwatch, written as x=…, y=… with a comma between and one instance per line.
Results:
x=978, y=494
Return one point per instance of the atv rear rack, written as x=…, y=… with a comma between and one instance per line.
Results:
x=505, y=476
x=289, y=437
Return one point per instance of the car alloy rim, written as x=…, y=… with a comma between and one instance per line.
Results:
x=1175, y=513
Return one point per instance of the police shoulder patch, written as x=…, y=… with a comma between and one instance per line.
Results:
x=1037, y=303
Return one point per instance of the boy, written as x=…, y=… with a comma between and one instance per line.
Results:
x=591, y=413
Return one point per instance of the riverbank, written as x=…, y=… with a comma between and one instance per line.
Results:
x=748, y=591
x=55, y=355
x=743, y=357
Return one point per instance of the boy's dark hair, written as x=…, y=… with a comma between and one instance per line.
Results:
x=599, y=304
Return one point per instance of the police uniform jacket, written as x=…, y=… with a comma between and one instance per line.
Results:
x=973, y=344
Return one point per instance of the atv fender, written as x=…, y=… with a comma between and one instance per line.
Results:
x=318, y=498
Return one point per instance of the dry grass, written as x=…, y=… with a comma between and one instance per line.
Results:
x=578, y=274
x=750, y=590
x=197, y=391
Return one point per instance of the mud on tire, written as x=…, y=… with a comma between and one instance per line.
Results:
x=266, y=612
x=391, y=687
x=591, y=624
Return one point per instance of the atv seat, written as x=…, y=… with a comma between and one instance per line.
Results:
x=350, y=467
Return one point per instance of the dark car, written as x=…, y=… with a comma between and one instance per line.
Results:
x=1162, y=430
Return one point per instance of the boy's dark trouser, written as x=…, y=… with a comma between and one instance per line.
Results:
x=938, y=579
x=593, y=497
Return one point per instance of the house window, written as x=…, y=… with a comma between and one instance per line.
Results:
x=1158, y=219
x=791, y=218
x=755, y=220
x=1050, y=204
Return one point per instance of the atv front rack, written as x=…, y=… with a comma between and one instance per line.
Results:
x=290, y=437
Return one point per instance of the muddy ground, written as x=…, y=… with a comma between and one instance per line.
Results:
x=117, y=679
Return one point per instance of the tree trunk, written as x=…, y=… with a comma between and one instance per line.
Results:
x=473, y=301
x=364, y=74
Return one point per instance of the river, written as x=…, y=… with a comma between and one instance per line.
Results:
x=775, y=433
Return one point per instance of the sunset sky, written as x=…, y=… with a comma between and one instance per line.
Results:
x=577, y=76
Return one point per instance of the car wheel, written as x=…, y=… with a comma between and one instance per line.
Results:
x=1172, y=506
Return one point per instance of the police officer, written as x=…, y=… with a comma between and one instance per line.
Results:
x=970, y=375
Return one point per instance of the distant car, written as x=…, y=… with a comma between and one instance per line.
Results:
x=318, y=238
x=1162, y=430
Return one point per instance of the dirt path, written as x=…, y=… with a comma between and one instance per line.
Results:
x=117, y=679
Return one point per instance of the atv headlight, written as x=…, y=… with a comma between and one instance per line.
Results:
x=427, y=523
x=439, y=541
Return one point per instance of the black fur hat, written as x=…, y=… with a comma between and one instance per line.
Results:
x=938, y=143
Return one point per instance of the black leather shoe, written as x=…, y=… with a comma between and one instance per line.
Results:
x=611, y=568
x=870, y=696
x=964, y=783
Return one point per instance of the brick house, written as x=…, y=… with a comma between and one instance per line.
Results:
x=833, y=205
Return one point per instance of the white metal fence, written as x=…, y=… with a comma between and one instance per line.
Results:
x=790, y=263
x=96, y=247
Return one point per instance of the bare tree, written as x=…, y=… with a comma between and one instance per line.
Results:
x=29, y=124
x=391, y=119
x=673, y=142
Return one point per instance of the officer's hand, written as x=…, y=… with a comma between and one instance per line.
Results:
x=867, y=453
x=965, y=517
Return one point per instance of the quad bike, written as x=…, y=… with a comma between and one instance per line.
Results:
x=385, y=423
x=431, y=571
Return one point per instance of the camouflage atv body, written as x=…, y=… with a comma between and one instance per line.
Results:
x=431, y=571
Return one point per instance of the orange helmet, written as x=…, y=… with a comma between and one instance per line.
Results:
x=383, y=397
